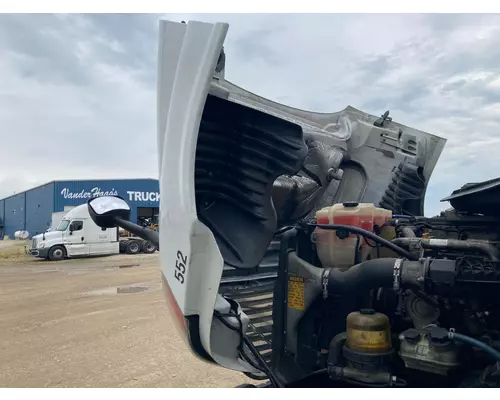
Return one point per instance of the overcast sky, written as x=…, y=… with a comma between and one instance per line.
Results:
x=74, y=86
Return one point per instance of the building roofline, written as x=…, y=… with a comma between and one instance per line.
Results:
x=76, y=180
x=27, y=190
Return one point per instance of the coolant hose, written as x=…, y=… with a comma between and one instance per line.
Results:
x=369, y=235
x=475, y=343
x=362, y=277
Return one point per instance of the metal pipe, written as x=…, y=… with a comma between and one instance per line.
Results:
x=452, y=244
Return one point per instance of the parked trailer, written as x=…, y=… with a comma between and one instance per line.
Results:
x=78, y=236
x=134, y=245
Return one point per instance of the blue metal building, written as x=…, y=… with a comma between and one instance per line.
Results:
x=32, y=210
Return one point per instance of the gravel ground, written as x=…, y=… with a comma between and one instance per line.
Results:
x=64, y=324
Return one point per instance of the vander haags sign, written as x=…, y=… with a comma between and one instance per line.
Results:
x=97, y=192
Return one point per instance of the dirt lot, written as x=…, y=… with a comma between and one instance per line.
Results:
x=12, y=250
x=64, y=324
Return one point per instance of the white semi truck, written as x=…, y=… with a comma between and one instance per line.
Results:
x=77, y=235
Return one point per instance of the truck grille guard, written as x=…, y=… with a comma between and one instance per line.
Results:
x=254, y=291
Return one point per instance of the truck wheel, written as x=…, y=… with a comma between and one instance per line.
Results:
x=57, y=253
x=133, y=247
x=148, y=247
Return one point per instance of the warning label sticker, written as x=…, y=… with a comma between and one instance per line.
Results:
x=296, y=292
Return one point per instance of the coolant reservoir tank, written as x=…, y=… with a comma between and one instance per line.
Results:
x=368, y=332
x=337, y=250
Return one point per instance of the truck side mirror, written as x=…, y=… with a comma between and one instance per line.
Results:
x=105, y=210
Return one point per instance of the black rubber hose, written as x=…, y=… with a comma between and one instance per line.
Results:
x=245, y=340
x=272, y=377
x=370, y=235
x=362, y=277
x=475, y=343
x=408, y=232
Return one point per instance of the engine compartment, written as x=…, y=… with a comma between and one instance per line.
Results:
x=390, y=318
x=352, y=246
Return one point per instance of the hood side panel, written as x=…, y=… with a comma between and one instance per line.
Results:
x=190, y=259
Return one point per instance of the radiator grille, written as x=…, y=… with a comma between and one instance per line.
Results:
x=254, y=292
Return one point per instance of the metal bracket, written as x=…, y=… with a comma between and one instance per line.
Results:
x=397, y=273
x=324, y=282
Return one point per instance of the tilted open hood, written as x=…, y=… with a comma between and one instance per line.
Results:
x=235, y=167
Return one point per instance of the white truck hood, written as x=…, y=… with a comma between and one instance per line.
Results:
x=234, y=167
x=48, y=236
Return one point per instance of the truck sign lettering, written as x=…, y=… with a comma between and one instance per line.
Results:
x=94, y=192
x=143, y=196
x=97, y=192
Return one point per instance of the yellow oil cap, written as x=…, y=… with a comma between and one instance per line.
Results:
x=368, y=332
